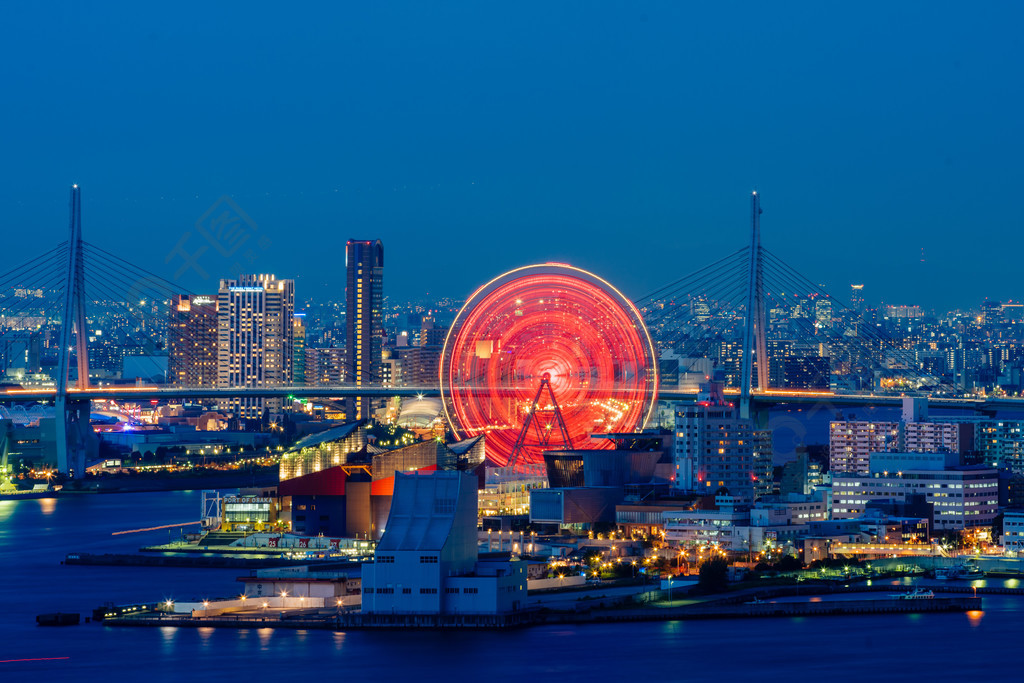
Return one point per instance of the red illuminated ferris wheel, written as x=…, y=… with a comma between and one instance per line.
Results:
x=539, y=337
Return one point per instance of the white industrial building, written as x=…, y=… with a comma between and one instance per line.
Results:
x=427, y=560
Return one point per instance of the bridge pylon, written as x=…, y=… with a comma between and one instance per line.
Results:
x=754, y=332
x=74, y=433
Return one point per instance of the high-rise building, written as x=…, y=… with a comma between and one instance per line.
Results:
x=730, y=360
x=822, y=314
x=192, y=341
x=255, y=314
x=325, y=367
x=364, y=300
x=299, y=349
x=851, y=442
x=857, y=298
x=716, y=448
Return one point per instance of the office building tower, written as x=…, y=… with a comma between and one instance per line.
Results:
x=716, y=448
x=730, y=361
x=255, y=314
x=192, y=341
x=364, y=299
x=299, y=349
x=857, y=298
x=432, y=334
x=392, y=374
x=822, y=314
x=992, y=313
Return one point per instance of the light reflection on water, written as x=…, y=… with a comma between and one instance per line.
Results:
x=693, y=650
x=265, y=634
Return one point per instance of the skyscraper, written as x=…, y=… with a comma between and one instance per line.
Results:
x=192, y=341
x=715, y=448
x=299, y=349
x=255, y=314
x=364, y=300
x=857, y=298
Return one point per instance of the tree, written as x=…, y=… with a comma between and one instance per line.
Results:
x=789, y=564
x=714, y=575
x=997, y=529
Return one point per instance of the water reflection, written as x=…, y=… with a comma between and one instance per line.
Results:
x=47, y=505
x=974, y=617
x=6, y=509
x=168, y=636
x=265, y=634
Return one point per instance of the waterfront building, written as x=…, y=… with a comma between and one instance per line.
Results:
x=323, y=450
x=587, y=484
x=716, y=448
x=192, y=341
x=646, y=518
x=508, y=498
x=733, y=525
x=427, y=560
x=334, y=484
x=255, y=314
x=364, y=332
x=321, y=587
x=1013, y=531
x=248, y=513
x=960, y=496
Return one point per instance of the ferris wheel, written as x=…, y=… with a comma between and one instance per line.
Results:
x=543, y=356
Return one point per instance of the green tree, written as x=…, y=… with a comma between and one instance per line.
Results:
x=997, y=528
x=714, y=575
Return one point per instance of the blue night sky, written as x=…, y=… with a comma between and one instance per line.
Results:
x=475, y=137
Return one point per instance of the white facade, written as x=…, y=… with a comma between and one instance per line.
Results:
x=426, y=561
x=742, y=529
x=1013, y=531
x=961, y=497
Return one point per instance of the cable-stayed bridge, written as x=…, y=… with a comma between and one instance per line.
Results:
x=771, y=333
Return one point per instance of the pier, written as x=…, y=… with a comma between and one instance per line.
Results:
x=719, y=609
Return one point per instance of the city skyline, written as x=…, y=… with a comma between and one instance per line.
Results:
x=700, y=321
x=873, y=146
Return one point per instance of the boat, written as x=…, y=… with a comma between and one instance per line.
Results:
x=58, y=619
x=959, y=572
x=916, y=594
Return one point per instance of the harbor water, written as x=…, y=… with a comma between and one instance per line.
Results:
x=36, y=534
